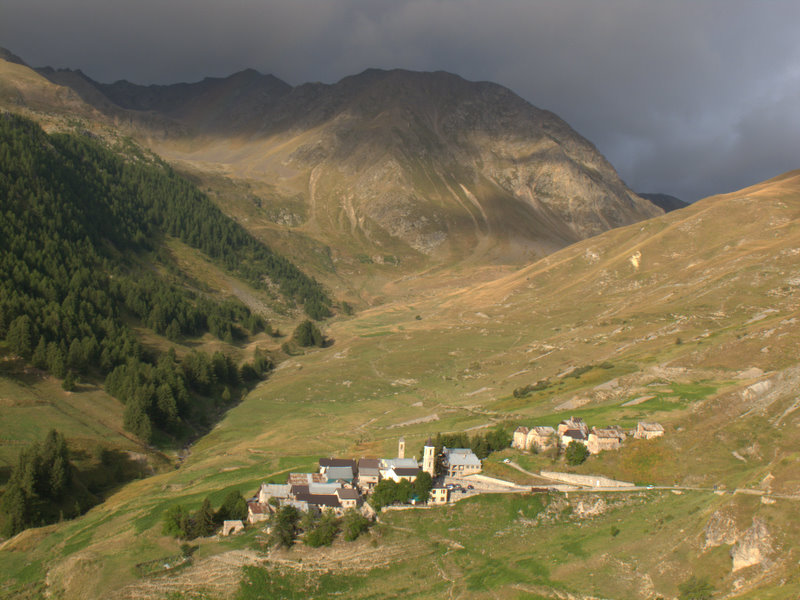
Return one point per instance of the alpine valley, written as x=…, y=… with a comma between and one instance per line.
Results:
x=451, y=260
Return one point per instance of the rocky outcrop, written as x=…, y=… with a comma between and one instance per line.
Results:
x=590, y=508
x=753, y=547
x=749, y=548
x=720, y=529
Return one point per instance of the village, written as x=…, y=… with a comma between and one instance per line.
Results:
x=342, y=484
x=540, y=438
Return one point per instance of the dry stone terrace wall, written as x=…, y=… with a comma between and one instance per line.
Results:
x=585, y=480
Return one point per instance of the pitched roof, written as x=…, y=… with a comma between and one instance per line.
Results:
x=276, y=490
x=575, y=434
x=651, y=426
x=368, y=463
x=257, y=508
x=334, y=473
x=608, y=432
x=543, y=430
x=348, y=494
x=323, y=488
x=461, y=456
x=368, y=472
x=406, y=472
x=306, y=478
x=327, y=500
x=521, y=429
x=393, y=463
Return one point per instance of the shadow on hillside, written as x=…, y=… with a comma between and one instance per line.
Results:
x=5, y=475
x=107, y=469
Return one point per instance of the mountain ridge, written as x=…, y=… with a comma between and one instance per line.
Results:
x=664, y=201
x=420, y=167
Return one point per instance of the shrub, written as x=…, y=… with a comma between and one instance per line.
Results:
x=324, y=533
x=354, y=524
x=696, y=588
x=576, y=453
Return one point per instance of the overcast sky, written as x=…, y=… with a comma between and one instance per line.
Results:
x=688, y=98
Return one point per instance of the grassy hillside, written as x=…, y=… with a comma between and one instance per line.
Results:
x=673, y=320
x=105, y=257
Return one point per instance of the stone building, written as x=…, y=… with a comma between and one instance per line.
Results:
x=459, y=462
x=537, y=438
x=648, y=431
x=573, y=423
x=605, y=438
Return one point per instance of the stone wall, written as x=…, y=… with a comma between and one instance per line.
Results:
x=585, y=480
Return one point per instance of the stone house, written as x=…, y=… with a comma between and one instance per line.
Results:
x=348, y=498
x=573, y=423
x=541, y=437
x=459, y=462
x=399, y=473
x=538, y=438
x=386, y=465
x=439, y=495
x=574, y=435
x=344, y=474
x=273, y=490
x=257, y=512
x=320, y=501
x=520, y=438
x=605, y=438
x=648, y=431
x=368, y=474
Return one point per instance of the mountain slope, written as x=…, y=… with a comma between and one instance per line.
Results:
x=396, y=164
x=675, y=320
x=92, y=287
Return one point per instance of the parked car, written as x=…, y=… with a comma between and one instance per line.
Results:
x=470, y=487
x=507, y=460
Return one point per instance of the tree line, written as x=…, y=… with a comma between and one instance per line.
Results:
x=80, y=229
x=160, y=396
x=178, y=521
x=44, y=487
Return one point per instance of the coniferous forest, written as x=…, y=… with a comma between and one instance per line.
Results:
x=79, y=228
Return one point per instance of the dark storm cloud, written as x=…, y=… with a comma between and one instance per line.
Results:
x=684, y=97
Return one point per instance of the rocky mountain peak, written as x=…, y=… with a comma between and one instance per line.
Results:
x=417, y=164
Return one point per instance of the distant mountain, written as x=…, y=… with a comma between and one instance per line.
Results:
x=393, y=163
x=665, y=202
x=9, y=56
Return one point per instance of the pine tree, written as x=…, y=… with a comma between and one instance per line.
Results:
x=69, y=382
x=20, y=336
x=39, y=358
x=204, y=519
x=14, y=509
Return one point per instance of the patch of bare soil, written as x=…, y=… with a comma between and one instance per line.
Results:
x=217, y=575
